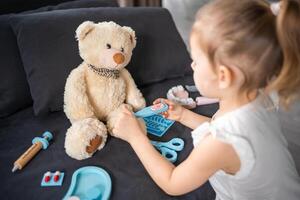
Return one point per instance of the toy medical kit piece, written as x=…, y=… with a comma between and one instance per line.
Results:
x=201, y=100
x=56, y=176
x=52, y=179
x=47, y=177
x=180, y=96
x=205, y=101
x=169, y=149
x=157, y=125
x=38, y=143
x=152, y=110
x=89, y=183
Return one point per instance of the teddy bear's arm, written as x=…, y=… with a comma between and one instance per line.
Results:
x=76, y=102
x=133, y=95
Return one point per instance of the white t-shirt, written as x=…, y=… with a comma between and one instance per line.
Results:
x=267, y=169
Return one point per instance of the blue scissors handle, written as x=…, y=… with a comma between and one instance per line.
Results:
x=169, y=154
x=175, y=144
x=168, y=149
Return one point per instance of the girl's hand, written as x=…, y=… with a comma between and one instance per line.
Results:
x=174, y=112
x=127, y=125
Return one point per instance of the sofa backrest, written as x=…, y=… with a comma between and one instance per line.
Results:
x=14, y=89
x=49, y=49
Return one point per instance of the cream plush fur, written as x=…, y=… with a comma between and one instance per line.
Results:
x=92, y=100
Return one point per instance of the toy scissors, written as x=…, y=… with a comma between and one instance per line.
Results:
x=168, y=149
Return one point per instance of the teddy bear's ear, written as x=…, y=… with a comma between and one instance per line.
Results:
x=132, y=35
x=83, y=29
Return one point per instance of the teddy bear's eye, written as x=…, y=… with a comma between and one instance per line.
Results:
x=122, y=49
x=108, y=46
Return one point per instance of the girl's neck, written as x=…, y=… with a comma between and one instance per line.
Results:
x=232, y=102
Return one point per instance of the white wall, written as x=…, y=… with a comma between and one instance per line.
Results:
x=183, y=13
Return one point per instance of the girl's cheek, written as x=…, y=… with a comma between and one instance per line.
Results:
x=198, y=79
x=199, y=84
x=193, y=65
x=204, y=82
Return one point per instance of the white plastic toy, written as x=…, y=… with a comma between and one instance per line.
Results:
x=179, y=95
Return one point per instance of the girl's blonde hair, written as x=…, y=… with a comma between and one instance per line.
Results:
x=247, y=34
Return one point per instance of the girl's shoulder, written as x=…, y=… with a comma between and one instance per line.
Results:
x=242, y=128
x=261, y=113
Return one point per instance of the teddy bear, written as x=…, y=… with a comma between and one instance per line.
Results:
x=97, y=89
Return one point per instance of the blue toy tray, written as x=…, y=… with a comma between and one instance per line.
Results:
x=157, y=125
x=89, y=183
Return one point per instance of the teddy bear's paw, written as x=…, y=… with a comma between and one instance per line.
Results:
x=138, y=103
x=84, y=137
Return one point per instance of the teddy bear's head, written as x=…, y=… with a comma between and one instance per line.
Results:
x=106, y=44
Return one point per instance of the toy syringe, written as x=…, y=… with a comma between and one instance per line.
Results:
x=37, y=144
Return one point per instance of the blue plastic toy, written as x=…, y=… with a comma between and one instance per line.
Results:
x=169, y=149
x=47, y=136
x=51, y=181
x=156, y=124
x=152, y=110
x=89, y=183
x=38, y=143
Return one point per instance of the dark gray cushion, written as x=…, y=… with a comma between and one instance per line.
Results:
x=49, y=50
x=14, y=89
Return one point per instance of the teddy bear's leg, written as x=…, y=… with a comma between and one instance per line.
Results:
x=84, y=137
x=112, y=117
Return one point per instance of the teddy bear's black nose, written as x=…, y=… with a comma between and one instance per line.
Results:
x=119, y=58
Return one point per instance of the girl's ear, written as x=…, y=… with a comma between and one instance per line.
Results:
x=225, y=77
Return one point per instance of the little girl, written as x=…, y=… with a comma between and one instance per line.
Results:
x=241, y=52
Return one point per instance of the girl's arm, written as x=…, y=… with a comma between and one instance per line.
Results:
x=207, y=158
x=191, y=119
x=184, y=116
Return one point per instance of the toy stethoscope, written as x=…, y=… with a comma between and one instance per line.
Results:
x=169, y=149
